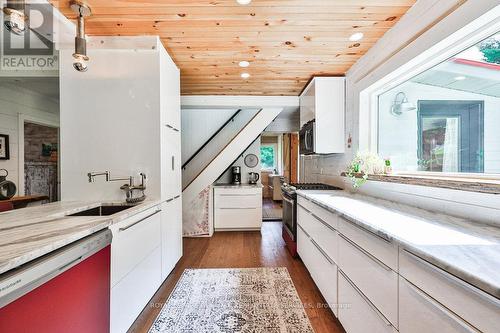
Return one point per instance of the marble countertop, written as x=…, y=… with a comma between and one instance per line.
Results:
x=29, y=233
x=467, y=249
x=238, y=186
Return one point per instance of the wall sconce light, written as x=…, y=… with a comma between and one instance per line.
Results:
x=401, y=104
x=15, y=17
x=80, y=55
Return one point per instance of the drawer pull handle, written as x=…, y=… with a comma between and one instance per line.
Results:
x=305, y=232
x=455, y=280
x=238, y=208
x=238, y=195
x=304, y=208
x=369, y=255
x=323, y=222
x=374, y=308
x=136, y=222
x=327, y=257
x=441, y=308
x=177, y=196
x=379, y=236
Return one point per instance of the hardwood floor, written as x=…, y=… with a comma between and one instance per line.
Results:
x=271, y=210
x=240, y=250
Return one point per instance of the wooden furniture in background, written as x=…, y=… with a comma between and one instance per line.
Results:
x=23, y=201
x=275, y=187
x=264, y=179
x=285, y=41
x=294, y=158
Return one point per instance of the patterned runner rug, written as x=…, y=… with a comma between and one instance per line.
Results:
x=248, y=300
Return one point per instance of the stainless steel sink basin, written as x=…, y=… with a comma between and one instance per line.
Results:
x=103, y=210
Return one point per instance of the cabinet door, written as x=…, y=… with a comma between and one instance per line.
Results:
x=418, y=313
x=170, y=91
x=356, y=313
x=171, y=235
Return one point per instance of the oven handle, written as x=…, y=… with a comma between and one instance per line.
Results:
x=288, y=200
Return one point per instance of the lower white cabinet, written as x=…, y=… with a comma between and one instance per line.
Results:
x=356, y=313
x=322, y=268
x=171, y=235
x=238, y=208
x=418, y=313
x=135, y=266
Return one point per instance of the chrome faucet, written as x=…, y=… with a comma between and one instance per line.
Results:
x=128, y=188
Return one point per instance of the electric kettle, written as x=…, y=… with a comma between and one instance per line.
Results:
x=253, y=177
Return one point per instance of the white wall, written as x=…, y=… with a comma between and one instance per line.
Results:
x=398, y=135
x=16, y=101
x=426, y=24
x=198, y=125
x=254, y=148
x=110, y=119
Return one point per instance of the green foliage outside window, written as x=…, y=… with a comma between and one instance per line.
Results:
x=267, y=157
x=491, y=50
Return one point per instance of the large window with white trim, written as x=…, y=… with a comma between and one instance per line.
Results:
x=446, y=119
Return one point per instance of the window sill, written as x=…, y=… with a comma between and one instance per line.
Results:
x=479, y=185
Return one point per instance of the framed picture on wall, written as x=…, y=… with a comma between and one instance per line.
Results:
x=4, y=147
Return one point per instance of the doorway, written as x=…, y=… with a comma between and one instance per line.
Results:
x=41, y=160
x=451, y=136
x=279, y=160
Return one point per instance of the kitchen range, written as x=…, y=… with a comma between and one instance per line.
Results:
x=289, y=230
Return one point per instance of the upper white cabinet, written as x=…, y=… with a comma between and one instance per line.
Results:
x=324, y=101
x=170, y=91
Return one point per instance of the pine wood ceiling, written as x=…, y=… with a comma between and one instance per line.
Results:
x=286, y=41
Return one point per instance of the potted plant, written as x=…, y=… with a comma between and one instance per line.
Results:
x=364, y=164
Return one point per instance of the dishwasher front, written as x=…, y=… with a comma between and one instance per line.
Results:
x=67, y=290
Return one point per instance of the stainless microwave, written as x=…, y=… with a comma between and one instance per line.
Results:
x=307, y=142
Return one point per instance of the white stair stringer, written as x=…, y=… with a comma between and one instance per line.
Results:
x=225, y=158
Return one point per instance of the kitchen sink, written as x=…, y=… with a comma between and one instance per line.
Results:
x=103, y=210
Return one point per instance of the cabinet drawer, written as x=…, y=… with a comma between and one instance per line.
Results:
x=133, y=240
x=375, y=279
x=322, y=233
x=243, y=218
x=356, y=313
x=321, y=213
x=420, y=313
x=322, y=269
x=476, y=307
x=380, y=248
x=132, y=293
x=242, y=200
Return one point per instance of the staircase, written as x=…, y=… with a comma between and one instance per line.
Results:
x=196, y=182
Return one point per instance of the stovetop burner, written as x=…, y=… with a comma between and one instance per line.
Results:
x=291, y=188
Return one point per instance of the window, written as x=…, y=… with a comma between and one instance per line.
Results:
x=268, y=157
x=447, y=118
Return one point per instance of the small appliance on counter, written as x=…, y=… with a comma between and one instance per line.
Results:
x=289, y=232
x=253, y=178
x=236, y=175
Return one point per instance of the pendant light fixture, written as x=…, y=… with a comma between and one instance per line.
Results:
x=15, y=17
x=80, y=56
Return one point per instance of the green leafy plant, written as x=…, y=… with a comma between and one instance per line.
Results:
x=491, y=50
x=267, y=157
x=364, y=164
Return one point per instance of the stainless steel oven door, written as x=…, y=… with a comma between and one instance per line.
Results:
x=289, y=215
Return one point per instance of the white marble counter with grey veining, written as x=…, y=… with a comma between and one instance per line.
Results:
x=29, y=233
x=466, y=249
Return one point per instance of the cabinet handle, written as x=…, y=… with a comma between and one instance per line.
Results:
x=327, y=257
x=173, y=162
x=374, y=308
x=379, y=236
x=238, y=208
x=136, y=222
x=455, y=280
x=303, y=230
x=441, y=308
x=177, y=196
x=323, y=222
x=304, y=208
x=369, y=255
x=170, y=199
x=239, y=195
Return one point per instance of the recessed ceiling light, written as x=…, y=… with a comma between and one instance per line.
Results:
x=244, y=63
x=245, y=75
x=243, y=2
x=357, y=36
x=460, y=78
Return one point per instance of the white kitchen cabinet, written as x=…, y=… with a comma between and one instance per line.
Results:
x=324, y=100
x=135, y=266
x=356, y=313
x=171, y=94
x=171, y=235
x=421, y=313
x=372, y=277
x=322, y=268
x=237, y=208
x=470, y=303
